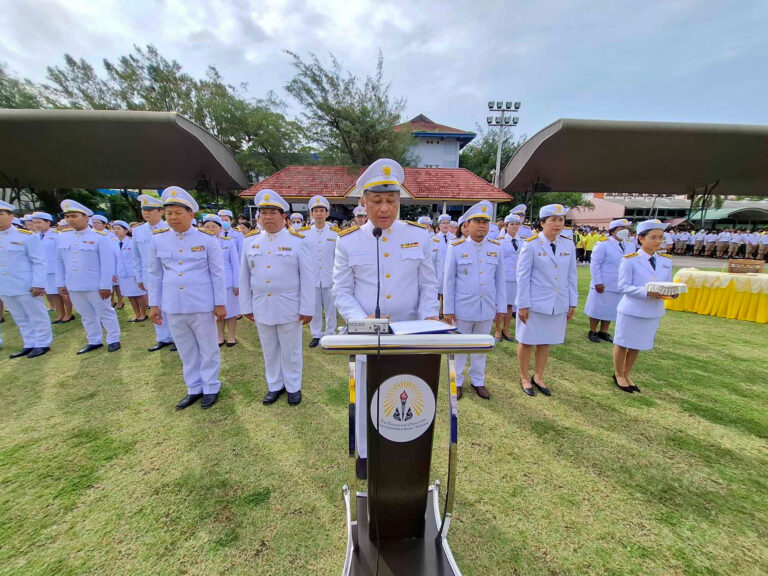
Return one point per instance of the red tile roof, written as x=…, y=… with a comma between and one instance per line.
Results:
x=338, y=181
x=423, y=124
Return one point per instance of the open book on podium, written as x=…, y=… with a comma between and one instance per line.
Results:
x=396, y=527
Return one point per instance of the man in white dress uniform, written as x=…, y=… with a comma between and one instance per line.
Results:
x=407, y=273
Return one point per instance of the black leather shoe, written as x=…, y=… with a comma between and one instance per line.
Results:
x=482, y=391
x=173, y=347
x=209, y=400
x=622, y=388
x=605, y=336
x=314, y=342
x=507, y=337
x=70, y=320
x=272, y=397
x=188, y=400
x=530, y=391
x=361, y=468
x=294, y=398
x=159, y=346
x=56, y=322
x=89, y=348
x=593, y=337
x=543, y=389
x=231, y=344
x=39, y=352
x=636, y=389
x=22, y=352
x=114, y=347
x=459, y=393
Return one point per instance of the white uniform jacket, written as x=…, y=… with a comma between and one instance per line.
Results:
x=22, y=264
x=407, y=273
x=86, y=260
x=322, y=249
x=547, y=281
x=276, y=277
x=474, y=288
x=634, y=273
x=186, y=272
x=604, y=267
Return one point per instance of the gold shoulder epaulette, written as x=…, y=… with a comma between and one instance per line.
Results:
x=348, y=231
x=160, y=230
x=457, y=242
x=24, y=230
x=664, y=255
x=416, y=224
x=493, y=242
x=631, y=255
x=532, y=238
x=225, y=237
x=252, y=233
x=435, y=239
x=135, y=224
x=335, y=229
x=305, y=228
x=294, y=233
x=100, y=232
x=204, y=231
x=66, y=230
x=566, y=237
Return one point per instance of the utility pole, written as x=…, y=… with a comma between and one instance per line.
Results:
x=501, y=121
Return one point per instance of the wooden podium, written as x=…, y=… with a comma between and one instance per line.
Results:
x=397, y=523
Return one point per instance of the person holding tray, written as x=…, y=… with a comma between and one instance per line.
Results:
x=640, y=309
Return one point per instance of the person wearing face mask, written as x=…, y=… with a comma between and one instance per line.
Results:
x=604, y=295
x=297, y=221
x=229, y=232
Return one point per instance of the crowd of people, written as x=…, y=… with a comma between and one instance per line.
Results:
x=194, y=278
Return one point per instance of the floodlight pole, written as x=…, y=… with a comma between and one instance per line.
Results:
x=497, y=175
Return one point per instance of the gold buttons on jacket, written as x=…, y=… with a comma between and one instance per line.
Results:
x=389, y=296
x=386, y=254
x=387, y=275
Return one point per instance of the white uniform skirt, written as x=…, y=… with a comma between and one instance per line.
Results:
x=50, y=284
x=541, y=328
x=233, y=304
x=635, y=332
x=511, y=293
x=128, y=286
x=602, y=306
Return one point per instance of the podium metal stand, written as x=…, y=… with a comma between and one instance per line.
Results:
x=397, y=524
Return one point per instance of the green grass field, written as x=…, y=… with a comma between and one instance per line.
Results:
x=99, y=475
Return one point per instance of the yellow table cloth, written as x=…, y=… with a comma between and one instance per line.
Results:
x=735, y=296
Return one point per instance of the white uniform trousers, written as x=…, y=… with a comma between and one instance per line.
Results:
x=163, y=331
x=32, y=318
x=96, y=313
x=323, y=299
x=477, y=364
x=281, y=346
x=197, y=341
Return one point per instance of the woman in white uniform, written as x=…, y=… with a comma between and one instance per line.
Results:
x=213, y=224
x=547, y=295
x=639, y=311
x=604, y=295
x=126, y=281
x=510, y=246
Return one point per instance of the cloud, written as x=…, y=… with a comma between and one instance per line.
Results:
x=607, y=59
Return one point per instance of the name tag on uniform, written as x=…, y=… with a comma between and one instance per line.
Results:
x=331, y=239
x=465, y=256
x=197, y=249
x=565, y=253
x=409, y=245
x=284, y=248
x=225, y=247
x=494, y=254
x=17, y=243
x=88, y=242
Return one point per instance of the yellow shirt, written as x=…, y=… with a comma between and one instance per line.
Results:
x=591, y=240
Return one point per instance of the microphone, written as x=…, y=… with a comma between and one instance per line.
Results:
x=377, y=235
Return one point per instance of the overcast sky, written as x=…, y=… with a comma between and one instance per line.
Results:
x=678, y=60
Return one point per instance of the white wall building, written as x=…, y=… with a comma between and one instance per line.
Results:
x=437, y=146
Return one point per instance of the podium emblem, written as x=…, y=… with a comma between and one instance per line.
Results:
x=407, y=408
